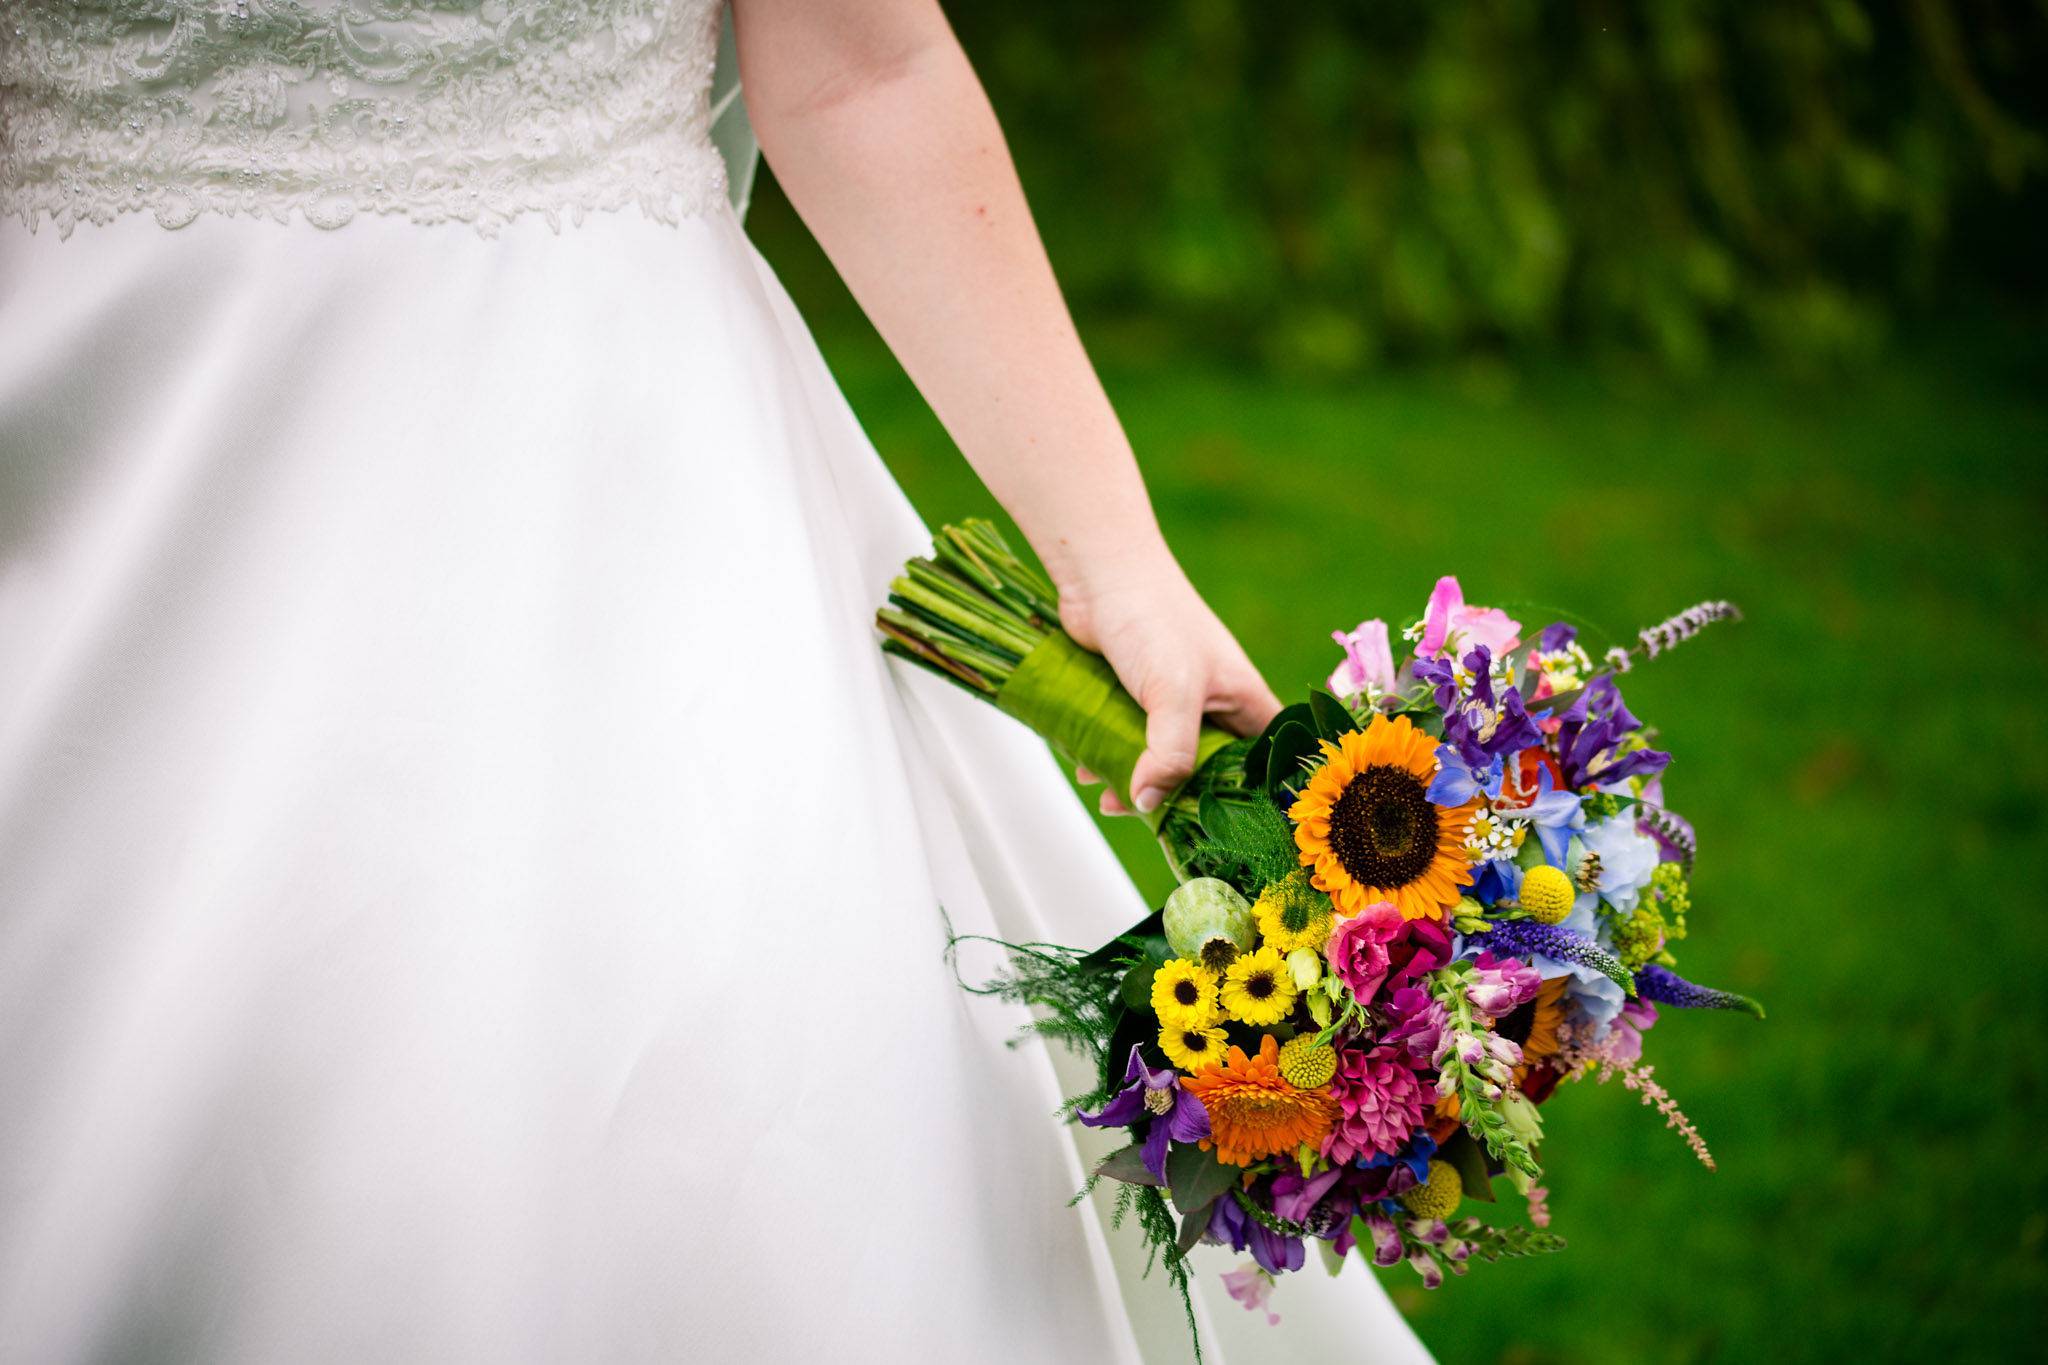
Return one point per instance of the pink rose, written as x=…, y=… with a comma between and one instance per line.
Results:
x=1357, y=949
x=1449, y=618
x=1368, y=660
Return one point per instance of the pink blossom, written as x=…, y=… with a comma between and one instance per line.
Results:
x=1380, y=1103
x=1368, y=660
x=1501, y=984
x=1357, y=949
x=1449, y=617
x=1252, y=1287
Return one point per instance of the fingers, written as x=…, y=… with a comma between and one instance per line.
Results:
x=1246, y=704
x=1108, y=803
x=1172, y=720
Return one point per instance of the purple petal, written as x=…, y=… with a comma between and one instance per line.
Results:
x=1153, y=1153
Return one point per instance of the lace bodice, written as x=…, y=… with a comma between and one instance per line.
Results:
x=468, y=110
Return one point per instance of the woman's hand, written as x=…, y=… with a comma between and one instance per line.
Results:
x=1179, y=662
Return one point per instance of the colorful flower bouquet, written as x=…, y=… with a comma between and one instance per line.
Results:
x=1410, y=910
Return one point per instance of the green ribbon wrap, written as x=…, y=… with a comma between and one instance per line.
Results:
x=1071, y=697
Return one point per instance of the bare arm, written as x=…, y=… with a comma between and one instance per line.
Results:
x=882, y=137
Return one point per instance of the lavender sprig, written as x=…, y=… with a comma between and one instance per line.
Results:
x=1522, y=938
x=1672, y=631
x=1666, y=987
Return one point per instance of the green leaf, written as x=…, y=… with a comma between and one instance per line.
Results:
x=1136, y=989
x=1257, y=758
x=1332, y=1261
x=1193, y=1226
x=1196, y=1177
x=1332, y=720
x=1291, y=744
x=1128, y=1165
x=1470, y=1162
x=1132, y=1030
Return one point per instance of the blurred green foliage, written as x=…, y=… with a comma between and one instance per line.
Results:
x=1319, y=186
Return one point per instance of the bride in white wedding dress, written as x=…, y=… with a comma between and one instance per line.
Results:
x=469, y=883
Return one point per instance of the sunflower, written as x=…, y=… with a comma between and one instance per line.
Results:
x=1534, y=1026
x=1292, y=914
x=1254, y=1111
x=1184, y=993
x=1258, y=988
x=1365, y=823
x=1191, y=1046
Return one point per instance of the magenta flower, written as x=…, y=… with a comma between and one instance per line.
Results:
x=1357, y=949
x=1368, y=660
x=1415, y=1024
x=1380, y=1103
x=1449, y=622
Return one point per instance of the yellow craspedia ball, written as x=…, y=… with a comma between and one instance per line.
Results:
x=1438, y=1197
x=1547, y=894
x=1307, y=1063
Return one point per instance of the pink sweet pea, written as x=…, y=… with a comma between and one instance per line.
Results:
x=1368, y=660
x=1448, y=616
x=1251, y=1287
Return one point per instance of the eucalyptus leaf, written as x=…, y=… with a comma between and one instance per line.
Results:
x=1128, y=1165
x=1196, y=1177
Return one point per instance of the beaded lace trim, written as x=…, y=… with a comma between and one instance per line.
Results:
x=475, y=111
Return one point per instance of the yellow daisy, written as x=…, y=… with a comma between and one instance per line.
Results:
x=1186, y=993
x=1367, y=827
x=1191, y=1048
x=1258, y=988
x=1292, y=914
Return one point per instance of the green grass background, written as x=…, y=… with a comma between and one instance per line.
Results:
x=1863, y=758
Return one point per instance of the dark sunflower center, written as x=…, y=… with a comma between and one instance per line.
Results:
x=1516, y=1023
x=1258, y=986
x=1383, y=828
x=1195, y=1042
x=1185, y=992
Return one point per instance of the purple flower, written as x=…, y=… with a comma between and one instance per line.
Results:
x=1484, y=726
x=1555, y=636
x=1554, y=815
x=1526, y=939
x=1174, y=1112
x=1588, y=740
x=1660, y=983
x=1501, y=985
x=1457, y=782
x=1386, y=1238
x=1295, y=1196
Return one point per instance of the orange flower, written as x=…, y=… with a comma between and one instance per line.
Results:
x=1254, y=1111
x=1534, y=1026
x=1365, y=823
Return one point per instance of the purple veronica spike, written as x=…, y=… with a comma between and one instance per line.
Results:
x=1523, y=938
x=1666, y=987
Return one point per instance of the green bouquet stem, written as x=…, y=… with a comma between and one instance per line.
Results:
x=986, y=621
x=1071, y=697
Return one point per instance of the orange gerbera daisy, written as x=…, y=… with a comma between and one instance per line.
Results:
x=1254, y=1111
x=1367, y=827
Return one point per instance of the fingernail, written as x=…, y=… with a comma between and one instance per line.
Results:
x=1149, y=799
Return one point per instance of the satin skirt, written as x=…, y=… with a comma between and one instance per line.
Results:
x=470, y=887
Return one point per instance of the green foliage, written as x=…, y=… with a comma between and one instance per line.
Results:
x=1321, y=185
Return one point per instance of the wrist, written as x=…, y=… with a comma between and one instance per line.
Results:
x=1085, y=565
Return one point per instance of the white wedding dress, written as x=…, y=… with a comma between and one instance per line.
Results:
x=469, y=883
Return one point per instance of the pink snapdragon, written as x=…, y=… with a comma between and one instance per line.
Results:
x=1357, y=950
x=1499, y=985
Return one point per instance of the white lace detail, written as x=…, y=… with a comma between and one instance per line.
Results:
x=468, y=110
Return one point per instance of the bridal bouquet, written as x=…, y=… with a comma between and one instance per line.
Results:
x=1409, y=911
